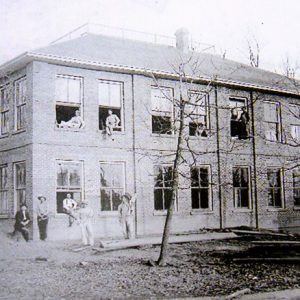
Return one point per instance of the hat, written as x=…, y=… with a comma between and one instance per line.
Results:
x=23, y=204
x=41, y=197
x=127, y=195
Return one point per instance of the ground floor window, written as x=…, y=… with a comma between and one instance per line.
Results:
x=19, y=183
x=163, y=180
x=68, y=181
x=241, y=187
x=112, y=185
x=3, y=189
x=200, y=187
x=275, y=183
x=296, y=186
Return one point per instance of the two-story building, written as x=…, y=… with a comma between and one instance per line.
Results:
x=229, y=176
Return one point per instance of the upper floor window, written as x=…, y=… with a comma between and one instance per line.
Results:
x=200, y=187
x=275, y=187
x=20, y=103
x=3, y=189
x=272, y=121
x=112, y=185
x=295, y=133
x=162, y=110
x=68, y=181
x=241, y=187
x=197, y=113
x=110, y=101
x=4, y=110
x=294, y=114
x=163, y=180
x=296, y=186
x=239, y=121
x=19, y=183
x=69, y=97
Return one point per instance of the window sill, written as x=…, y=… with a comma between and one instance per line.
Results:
x=4, y=216
x=108, y=213
x=276, y=209
x=236, y=139
x=163, y=212
x=163, y=135
x=296, y=208
x=3, y=136
x=196, y=138
x=103, y=132
x=242, y=210
x=201, y=212
x=18, y=131
x=70, y=129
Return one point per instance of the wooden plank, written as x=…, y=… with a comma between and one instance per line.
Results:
x=249, y=232
x=285, y=243
x=268, y=259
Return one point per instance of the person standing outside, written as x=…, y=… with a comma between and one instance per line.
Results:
x=69, y=205
x=85, y=216
x=42, y=217
x=22, y=222
x=126, y=215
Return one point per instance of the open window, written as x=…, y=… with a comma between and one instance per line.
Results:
x=162, y=110
x=4, y=110
x=4, y=190
x=200, y=187
x=68, y=181
x=163, y=180
x=272, y=121
x=197, y=113
x=241, y=187
x=19, y=183
x=20, y=103
x=275, y=192
x=68, y=95
x=296, y=187
x=110, y=99
x=239, y=118
x=112, y=185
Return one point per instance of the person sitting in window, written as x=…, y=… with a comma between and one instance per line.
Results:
x=112, y=121
x=69, y=205
x=201, y=130
x=22, y=222
x=244, y=122
x=75, y=122
x=234, y=122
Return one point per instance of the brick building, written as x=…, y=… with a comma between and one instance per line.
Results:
x=232, y=178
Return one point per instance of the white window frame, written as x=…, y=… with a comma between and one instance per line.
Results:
x=69, y=188
x=16, y=189
x=239, y=188
x=19, y=106
x=202, y=97
x=281, y=187
x=277, y=124
x=4, y=90
x=162, y=188
x=159, y=113
x=68, y=102
x=4, y=191
x=209, y=188
x=121, y=85
x=110, y=188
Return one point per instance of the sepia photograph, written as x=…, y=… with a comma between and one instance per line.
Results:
x=149, y=149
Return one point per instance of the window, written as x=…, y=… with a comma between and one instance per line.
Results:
x=197, y=111
x=19, y=183
x=20, y=103
x=162, y=110
x=241, y=187
x=272, y=121
x=295, y=133
x=112, y=185
x=110, y=99
x=239, y=120
x=200, y=187
x=163, y=180
x=296, y=186
x=4, y=110
x=68, y=97
x=3, y=190
x=68, y=181
x=275, y=187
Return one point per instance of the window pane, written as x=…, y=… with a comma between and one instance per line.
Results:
x=75, y=174
x=161, y=125
x=168, y=176
x=295, y=132
x=162, y=100
x=204, y=196
x=21, y=117
x=3, y=202
x=20, y=175
x=158, y=176
x=103, y=94
x=117, y=174
x=3, y=178
x=204, y=181
x=236, y=177
x=168, y=197
x=105, y=175
x=105, y=200
x=4, y=122
x=115, y=95
x=116, y=198
x=61, y=89
x=195, y=177
x=74, y=90
x=271, y=132
x=62, y=175
x=195, y=198
x=244, y=194
x=21, y=197
x=270, y=112
x=4, y=99
x=158, y=199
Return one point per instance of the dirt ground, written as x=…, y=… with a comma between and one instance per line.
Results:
x=194, y=269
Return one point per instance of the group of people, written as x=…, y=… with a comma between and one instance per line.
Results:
x=112, y=121
x=82, y=215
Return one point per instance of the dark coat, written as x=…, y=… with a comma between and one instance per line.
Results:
x=20, y=218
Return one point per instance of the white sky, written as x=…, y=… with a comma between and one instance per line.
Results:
x=29, y=24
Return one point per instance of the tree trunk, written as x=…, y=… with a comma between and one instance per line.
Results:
x=175, y=184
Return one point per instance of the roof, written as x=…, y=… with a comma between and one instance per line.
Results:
x=130, y=55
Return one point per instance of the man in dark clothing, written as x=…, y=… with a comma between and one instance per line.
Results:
x=42, y=217
x=244, y=124
x=22, y=222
